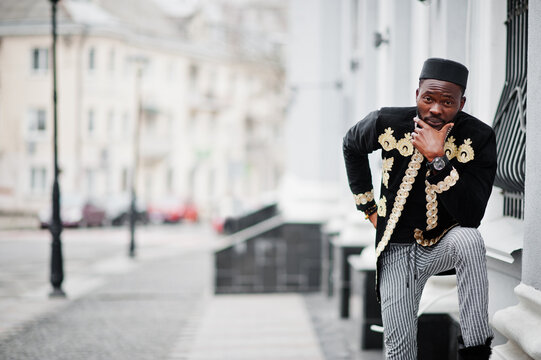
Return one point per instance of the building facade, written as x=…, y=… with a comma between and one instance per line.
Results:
x=375, y=50
x=194, y=93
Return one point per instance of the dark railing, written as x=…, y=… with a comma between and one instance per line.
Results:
x=513, y=204
x=276, y=257
x=235, y=224
x=510, y=121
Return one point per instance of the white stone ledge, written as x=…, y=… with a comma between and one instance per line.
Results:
x=366, y=261
x=440, y=296
x=356, y=232
x=502, y=237
x=521, y=324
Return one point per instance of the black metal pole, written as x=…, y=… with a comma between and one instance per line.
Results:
x=132, y=222
x=57, y=268
x=133, y=203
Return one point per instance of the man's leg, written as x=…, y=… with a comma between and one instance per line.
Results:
x=400, y=295
x=463, y=249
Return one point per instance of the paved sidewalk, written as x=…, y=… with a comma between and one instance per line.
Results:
x=254, y=327
x=160, y=306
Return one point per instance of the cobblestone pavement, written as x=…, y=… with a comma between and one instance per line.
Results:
x=336, y=336
x=134, y=316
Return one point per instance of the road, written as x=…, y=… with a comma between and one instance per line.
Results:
x=25, y=255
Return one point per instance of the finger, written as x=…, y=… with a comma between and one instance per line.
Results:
x=447, y=127
x=420, y=123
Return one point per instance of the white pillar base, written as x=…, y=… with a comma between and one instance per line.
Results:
x=508, y=351
x=309, y=201
x=521, y=324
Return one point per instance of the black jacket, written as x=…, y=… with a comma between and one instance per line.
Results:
x=471, y=148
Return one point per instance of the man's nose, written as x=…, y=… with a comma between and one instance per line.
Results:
x=435, y=109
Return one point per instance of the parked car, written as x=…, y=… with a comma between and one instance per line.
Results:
x=75, y=211
x=117, y=209
x=171, y=210
x=190, y=212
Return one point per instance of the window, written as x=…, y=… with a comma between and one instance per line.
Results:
x=194, y=73
x=37, y=121
x=104, y=158
x=125, y=179
x=91, y=59
x=126, y=125
x=171, y=72
x=170, y=177
x=90, y=182
x=112, y=58
x=38, y=179
x=91, y=125
x=40, y=59
x=111, y=123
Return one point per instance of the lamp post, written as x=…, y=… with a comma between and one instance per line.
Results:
x=140, y=62
x=57, y=268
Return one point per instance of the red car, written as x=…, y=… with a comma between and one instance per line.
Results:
x=171, y=210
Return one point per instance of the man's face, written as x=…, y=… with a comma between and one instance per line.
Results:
x=438, y=102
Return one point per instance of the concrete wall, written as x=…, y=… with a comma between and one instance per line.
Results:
x=532, y=245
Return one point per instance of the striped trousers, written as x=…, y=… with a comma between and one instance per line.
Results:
x=405, y=268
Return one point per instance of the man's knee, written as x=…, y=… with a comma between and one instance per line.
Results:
x=467, y=242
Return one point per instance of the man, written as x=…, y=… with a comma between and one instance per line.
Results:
x=438, y=168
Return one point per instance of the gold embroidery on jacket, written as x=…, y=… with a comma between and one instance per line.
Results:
x=363, y=199
x=450, y=148
x=418, y=234
x=404, y=145
x=432, y=206
x=387, y=140
x=446, y=183
x=465, y=152
x=387, y=166
x=400, y=199
x=382, y=206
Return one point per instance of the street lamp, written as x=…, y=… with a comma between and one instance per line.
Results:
x=140, y=62
x=57, y=268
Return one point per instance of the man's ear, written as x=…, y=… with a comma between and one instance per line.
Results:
x=417, y=93
x=462, y=102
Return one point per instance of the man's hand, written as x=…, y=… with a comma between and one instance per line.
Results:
x=428, y=140
x=373, y=219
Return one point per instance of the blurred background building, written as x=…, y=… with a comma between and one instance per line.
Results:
x=208, y=105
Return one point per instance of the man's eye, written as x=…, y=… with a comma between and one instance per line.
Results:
x=428, y=98
x=448, y=103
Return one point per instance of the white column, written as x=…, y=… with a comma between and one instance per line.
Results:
x=532, y=246
x=369, y=62
x=314, y=127
x=521, y=324
x=403, y=93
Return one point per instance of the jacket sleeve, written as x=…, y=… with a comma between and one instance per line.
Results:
x=358, y=142
x=470, y=186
